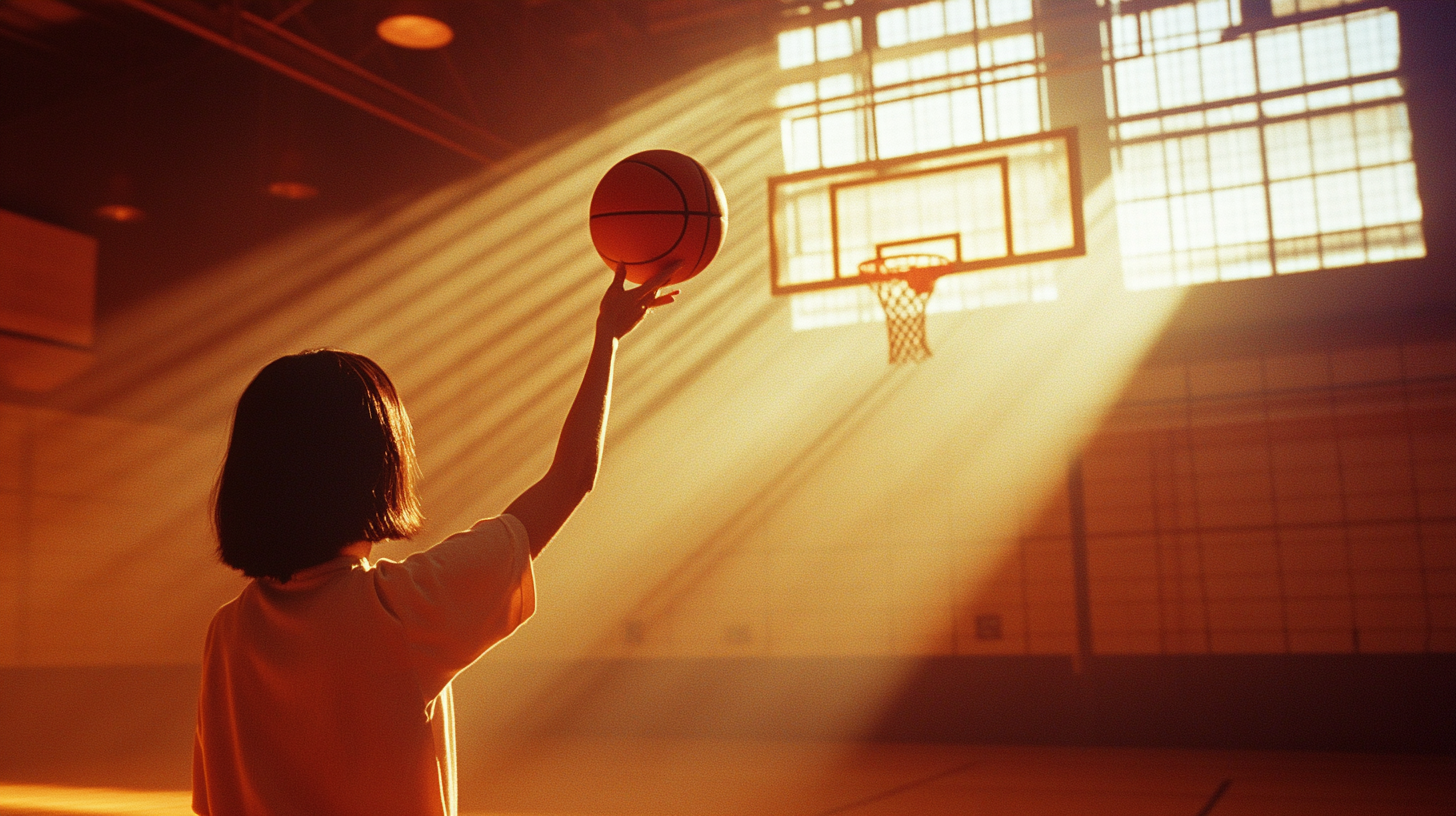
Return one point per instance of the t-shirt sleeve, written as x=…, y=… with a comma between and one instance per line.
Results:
x=460, y=597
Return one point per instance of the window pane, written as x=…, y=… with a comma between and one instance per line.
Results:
x=805, y=138
x=1179, y=83
x=1381, y=196
x=932, y=122
x=1189, y=166
x=891, y=28
x=839, y=138
x=1141, y=172
x=796, y=48
x=1337, y=197
x=1137, y=87
x=926, y=21
x=1125, y=40
x=1234, y=157
x=958, y=18
x=1216, y=15
x=1017, y=107
x=1227, y=70
x=1292, y=205
x=1333, y=139
x=834, y=40
x=929, y=65
x=1191, y=221
x=1287, y=146
x=1374, y=42
x=1382, y=135
x=797, y=94
x=1329, y=98
x=1003, y=12
x=1173, y=27
x=1239, y=215
x=962, y=59
x=1323, y=44
x=836, y=86
x=1008, y=50
x=965, y=116
x=1379, y=89
x=893, y=132
x=1280, y=62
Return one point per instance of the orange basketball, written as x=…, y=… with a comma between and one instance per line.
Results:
x=656, y=207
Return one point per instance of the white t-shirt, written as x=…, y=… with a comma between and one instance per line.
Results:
x=330, y=694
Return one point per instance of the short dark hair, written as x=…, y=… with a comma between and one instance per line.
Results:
x=321, y=456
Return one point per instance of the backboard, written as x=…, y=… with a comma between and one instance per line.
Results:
x=1014, y=201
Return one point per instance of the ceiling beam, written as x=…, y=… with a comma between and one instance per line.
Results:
x=283, y=51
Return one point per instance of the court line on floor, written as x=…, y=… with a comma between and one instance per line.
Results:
x=898, y=789
x=1217, y=795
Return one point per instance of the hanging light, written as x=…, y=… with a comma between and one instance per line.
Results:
x=418, y=31
x=120, y=203
x=288, y=181
x=292, y=190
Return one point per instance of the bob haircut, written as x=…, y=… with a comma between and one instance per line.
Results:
x=321, y=456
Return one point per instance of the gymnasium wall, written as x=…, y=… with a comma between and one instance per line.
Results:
x=789, y=537
x=1285, y=503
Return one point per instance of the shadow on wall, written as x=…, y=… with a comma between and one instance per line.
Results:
x=478, y=299
x=768, y=495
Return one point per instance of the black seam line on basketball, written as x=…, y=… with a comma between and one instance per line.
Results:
x=657, y=212
x=653, y=259
x=681, y=194
x=708, y=188
x=707, y=194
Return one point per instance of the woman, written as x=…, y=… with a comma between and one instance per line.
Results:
x=326, y=682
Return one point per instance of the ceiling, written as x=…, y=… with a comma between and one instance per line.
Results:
x=173, y=100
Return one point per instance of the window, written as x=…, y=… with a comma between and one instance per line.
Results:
x=1284, y=8
x=821, y=43
x=918, y=78
x=942, y=74
x=1251, y=151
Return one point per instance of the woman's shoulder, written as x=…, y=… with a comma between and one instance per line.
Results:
x=494, y=543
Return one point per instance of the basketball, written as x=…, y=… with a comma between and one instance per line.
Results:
x=657, y=207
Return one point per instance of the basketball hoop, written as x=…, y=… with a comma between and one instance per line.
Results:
x=903, y=284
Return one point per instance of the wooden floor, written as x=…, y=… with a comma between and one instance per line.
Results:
x=726, y=778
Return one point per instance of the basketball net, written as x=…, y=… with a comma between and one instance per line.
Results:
x=903, y=283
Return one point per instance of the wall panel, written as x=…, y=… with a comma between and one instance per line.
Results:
x=1298, y=503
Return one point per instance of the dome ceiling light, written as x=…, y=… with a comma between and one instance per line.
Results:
x=415, y=31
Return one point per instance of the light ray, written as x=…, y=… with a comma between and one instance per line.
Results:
x=766, y=493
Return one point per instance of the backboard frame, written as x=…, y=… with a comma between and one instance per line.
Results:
x=883, y=169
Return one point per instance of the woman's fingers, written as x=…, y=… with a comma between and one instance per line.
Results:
x=624, y=308
x=661, y=278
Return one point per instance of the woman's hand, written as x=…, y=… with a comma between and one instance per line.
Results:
x=622, y=308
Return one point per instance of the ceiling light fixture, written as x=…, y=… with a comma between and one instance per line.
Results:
x=415, y=31
x=289, y=179
x=119, y=198
x=120, y=213
x=292, y=190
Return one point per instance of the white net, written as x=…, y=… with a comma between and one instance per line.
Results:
x=903, y=283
